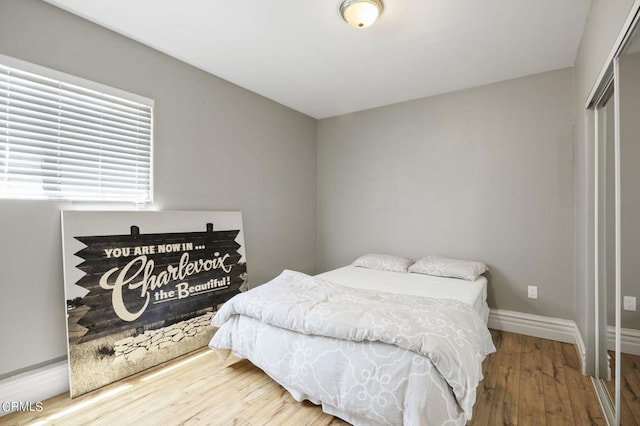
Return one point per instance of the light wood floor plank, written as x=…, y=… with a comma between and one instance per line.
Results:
x=585, y=406
x=527, y=381
x=626, y=416
x=504, y=410
x=487, y=388
x=630, y=384
x=556, y=394
x=531, y=406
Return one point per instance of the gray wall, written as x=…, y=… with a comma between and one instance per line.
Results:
x=603, y=26
x=369, y=200
x=217, y=147
x=483, y=174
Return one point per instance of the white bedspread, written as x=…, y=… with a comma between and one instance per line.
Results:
x=396, y=337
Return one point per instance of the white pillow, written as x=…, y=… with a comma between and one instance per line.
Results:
x=384, y=262
x=443, y=267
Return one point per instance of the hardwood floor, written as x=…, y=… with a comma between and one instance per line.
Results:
x=532, y=381
x=629, y=388
x=528, y=381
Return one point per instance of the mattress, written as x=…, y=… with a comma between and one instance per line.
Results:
x=473, y=293
x=353, y=352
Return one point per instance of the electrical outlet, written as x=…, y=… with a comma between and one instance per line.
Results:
x=532, y=292
x=629, y=303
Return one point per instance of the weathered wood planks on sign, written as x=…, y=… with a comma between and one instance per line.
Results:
x=141, y=287
x=137, y=279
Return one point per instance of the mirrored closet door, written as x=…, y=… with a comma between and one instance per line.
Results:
x=628, y=100
x=606, y=242
x=617, y=234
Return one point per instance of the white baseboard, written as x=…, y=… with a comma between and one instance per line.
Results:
x=561, y=330
x=34, y=386
x=629, y=340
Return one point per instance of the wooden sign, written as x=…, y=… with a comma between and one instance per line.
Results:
x=141, y=287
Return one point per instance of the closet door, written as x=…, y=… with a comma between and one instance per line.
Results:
x=605, y=123
x=616, y=101
x=628, y=99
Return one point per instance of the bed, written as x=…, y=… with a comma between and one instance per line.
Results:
x=371, y=347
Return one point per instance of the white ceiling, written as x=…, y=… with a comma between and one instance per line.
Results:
x=301, y=53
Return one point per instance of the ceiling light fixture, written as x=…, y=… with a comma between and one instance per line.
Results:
x=361, y=13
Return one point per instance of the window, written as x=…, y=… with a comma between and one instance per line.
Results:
x=66, y=138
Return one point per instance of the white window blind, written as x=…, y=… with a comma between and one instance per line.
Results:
x=65, y=138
